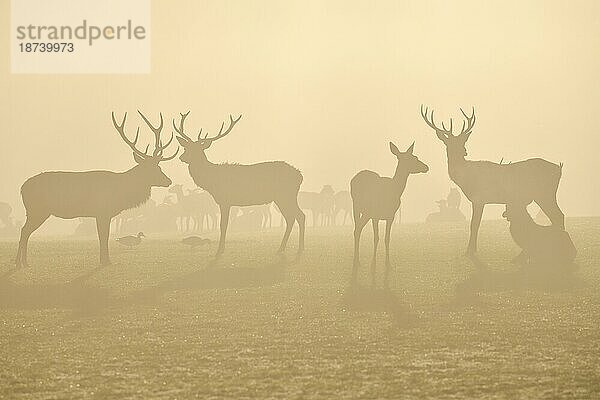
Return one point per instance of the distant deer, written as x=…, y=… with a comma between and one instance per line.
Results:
x=99, y=194
x=319, y=204
x=375, y=198
x=5, y=211
x=327, y=205
x=243, y=185
x=184, y=208
x=342, y=203
x=486, y=182
x=204, y=208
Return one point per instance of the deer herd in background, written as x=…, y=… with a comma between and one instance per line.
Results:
x=241, y=195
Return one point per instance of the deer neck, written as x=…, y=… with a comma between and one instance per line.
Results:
x=400, y=178
x=456, y=166
x=134, y=189
x=204, y=173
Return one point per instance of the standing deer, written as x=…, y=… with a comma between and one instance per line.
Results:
x=342, y=203
x=99, y=194
x=375, y=198
x=486, y=182
x=243, y=185
x=185, y=208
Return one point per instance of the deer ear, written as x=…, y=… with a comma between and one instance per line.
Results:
x=137, y=158
x=441, y=136
x=394, y=149
x=182, y=141
x=466, y=136
x=411, y=148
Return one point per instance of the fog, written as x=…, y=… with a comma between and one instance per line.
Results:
x=326, y=85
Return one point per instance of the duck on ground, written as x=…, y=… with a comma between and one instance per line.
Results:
x=195, y=241
x=131, y=241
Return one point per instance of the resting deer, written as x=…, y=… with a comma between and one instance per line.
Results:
x=541, y=245
x=99, y=194
x=375, y=198
x=486, y=182
x=242, y=185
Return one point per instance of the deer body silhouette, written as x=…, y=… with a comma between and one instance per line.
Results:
x=243, y=185
x=377, y=198
x=486, y=182
x=99, y=194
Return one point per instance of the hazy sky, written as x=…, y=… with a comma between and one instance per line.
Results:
x=325, y=85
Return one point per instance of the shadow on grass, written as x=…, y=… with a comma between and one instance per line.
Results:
x=73, y=296
x=362, y=299
x=538, y=279
x=218, y=275
x=85, y=299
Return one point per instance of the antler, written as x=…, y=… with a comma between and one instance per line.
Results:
x=221, y=134
x=121, y=130
x=180, y=129
x=158, y=144
x=431, y=123
x=469, y=123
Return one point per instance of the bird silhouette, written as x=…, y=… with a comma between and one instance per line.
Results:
x=131, y=241
x=195, y=241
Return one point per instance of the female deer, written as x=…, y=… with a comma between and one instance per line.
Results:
x=375, y=198
x=243, y=185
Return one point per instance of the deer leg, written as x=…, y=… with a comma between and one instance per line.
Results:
x=475, y=223
x=552, y=210
x=31, y=224
x=388, y=231
x=359, y=223
x=223, y=226
x=375, y=223
x=289, y=223
x=301, y=218
x=103, y=227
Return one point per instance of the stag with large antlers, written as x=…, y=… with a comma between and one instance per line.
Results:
x=242, y=185
x=98, y=194
x=486, y=182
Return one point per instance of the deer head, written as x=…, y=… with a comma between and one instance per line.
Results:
x=148, y=164
x=455, y=144
x=407, y=161
x=193, y=150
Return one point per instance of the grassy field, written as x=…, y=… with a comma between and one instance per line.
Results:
x=161, y=323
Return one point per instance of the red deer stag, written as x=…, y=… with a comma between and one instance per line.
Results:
x=99, y=194
x=375, y=198
x=242, y=185
x=486, y=182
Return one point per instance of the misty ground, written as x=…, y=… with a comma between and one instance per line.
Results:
x=160, y=323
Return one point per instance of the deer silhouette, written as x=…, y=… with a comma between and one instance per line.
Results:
x=99, y=194
x=486, y=182
x=377, y=198
x=319, y=204
x=203, y=208
x=242, y=185
x=5, y=211
x=541, y=245
x=342, y=203
x=184, y=207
